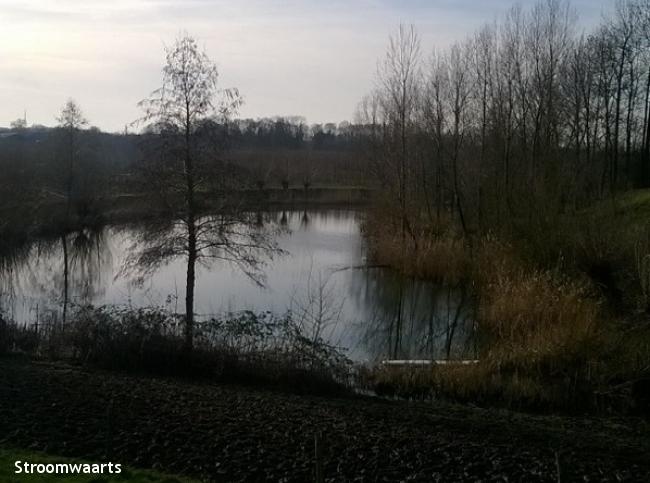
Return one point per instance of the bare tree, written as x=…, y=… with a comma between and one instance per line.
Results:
x=483, y=52
x=189, y=116
x=644, y=17
x=459, y=89
x=71, y=120
x=622, y=32
x=399, y=89
x=435, y=118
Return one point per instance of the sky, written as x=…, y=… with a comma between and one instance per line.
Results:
x=314, y=58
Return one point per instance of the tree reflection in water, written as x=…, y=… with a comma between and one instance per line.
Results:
x=324, y=280
x=412, y=319
x=49, y=275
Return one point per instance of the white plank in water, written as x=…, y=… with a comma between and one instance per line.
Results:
x=426, y=362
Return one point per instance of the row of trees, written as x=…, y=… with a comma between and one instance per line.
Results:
x=525, y=116
x=36, y=162
x=268, y=149
x=277, y=132
x=292, y=132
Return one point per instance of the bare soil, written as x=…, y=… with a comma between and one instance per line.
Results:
x=235, y=433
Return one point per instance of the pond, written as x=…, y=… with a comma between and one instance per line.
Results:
x=369, y=312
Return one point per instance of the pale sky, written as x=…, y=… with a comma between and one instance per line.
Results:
x=289, y=57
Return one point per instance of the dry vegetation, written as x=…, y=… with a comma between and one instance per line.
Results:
x=506, y=164
x=548, y=337
x=244, y=347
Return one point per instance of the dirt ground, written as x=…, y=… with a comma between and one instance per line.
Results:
x=233, y=433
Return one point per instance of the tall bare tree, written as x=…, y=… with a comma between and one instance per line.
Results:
x=71, y=120
x=400, y=81
x=184, y=167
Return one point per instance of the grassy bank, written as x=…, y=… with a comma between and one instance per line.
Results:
x=562, y=323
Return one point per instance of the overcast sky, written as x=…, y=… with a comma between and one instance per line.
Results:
x=314, y=58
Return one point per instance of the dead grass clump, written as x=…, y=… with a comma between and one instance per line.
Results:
x=430, y=252
x=540, y=333
x=481, y=384
x=531, y=315
x=547, y=336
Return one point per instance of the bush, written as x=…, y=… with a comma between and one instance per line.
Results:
x=239, y=347
x=432, y=252
x=14, y=338
x=242, y=347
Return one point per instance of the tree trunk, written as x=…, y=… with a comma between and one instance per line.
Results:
x=646, y=133
x=617, y=114
x=191, y=236
x=189, y=290
x=70, y=180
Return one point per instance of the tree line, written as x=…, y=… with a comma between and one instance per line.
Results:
x=526, y=117
x=35, y=165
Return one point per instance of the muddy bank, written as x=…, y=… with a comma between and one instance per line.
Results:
x=232, y=433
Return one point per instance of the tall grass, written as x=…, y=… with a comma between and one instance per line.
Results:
x=546, y=335
x=433, y=252
x=530, y=316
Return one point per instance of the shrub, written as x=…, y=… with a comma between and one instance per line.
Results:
x=433, y=252
x=15, y=338
x=238, y=347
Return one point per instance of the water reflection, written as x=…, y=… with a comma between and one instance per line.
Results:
x=14, y=252
x=411, y=319
x=371, y=312
x=53, y=273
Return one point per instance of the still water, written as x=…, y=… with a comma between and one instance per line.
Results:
x=369, y=312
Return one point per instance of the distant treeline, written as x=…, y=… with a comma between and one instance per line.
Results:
x=276, y=132
x=292, y=132
x=272, y=153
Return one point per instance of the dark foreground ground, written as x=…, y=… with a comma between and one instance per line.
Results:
x=231, y=433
